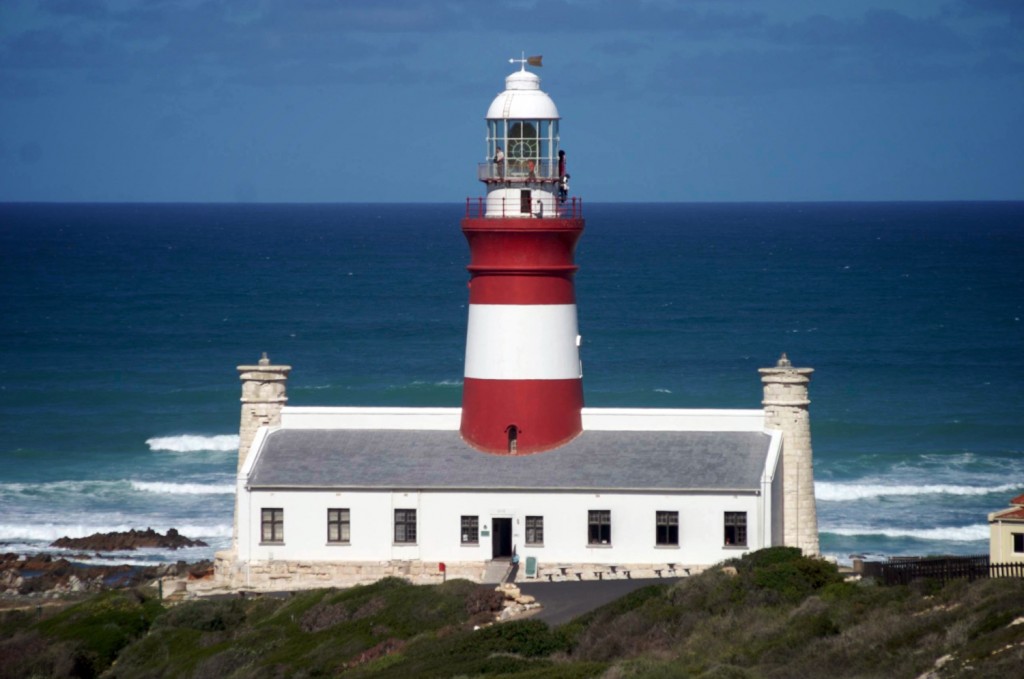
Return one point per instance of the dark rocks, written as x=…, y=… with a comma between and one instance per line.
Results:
x=43, y=575
x=133, y=539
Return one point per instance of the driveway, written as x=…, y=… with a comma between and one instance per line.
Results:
x=563, y=601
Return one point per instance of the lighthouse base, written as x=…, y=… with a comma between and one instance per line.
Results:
x=520, y=417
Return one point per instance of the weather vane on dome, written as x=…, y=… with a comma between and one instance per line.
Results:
x=532, y=61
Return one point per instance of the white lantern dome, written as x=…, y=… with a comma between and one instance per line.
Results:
x=522, y=99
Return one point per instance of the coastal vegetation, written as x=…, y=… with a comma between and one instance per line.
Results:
x=772, y=613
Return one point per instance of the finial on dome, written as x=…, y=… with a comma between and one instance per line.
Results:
x=784, y=361
x=264, y=360
x=532, y=61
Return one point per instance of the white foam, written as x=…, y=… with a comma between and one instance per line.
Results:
x=190, y=443
x=115, y=561
x=91, y=487
x=972, y=533
x=828, y=491
x=441, y=383
x=108, y=489
x=183, y=488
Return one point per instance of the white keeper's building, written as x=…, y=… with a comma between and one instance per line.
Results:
x=522, y=472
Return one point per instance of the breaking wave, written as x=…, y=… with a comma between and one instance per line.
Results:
x=189, y=443
x=951, y=533
x=828, y=491
x=183, y=488
x=60, y=491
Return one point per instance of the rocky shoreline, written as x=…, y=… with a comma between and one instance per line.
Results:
x=31, y=577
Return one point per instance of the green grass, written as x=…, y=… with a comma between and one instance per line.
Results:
x=82, y=640
x=780, y=615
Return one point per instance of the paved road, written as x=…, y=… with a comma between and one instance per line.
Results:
x=563, y=601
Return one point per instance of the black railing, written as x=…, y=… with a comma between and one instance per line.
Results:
x=903, y=570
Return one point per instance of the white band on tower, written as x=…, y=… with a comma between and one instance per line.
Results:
x=522, y=342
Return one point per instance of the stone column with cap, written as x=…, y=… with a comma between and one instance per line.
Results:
x=786, y=409
x=263, y=396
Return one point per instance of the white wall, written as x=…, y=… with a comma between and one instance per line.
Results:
x=565, y=515
x=1001, y=541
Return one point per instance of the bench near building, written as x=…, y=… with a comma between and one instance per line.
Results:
x=522, y=469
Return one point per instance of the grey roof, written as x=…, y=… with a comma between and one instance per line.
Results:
x=423, y=459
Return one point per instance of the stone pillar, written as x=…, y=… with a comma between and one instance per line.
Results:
x=785, y=408
x=263, y=396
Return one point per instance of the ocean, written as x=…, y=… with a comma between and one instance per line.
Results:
x=123, y=324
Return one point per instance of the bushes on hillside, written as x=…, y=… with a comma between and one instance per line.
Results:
x=778, y=614
x=792, y=577
x=82, y=640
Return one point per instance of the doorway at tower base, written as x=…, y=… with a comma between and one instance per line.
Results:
x=520, y=417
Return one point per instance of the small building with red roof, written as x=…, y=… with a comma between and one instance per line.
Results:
x=1006, y=533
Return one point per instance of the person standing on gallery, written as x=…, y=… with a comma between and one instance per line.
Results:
x=563, y=178
x=499, y=162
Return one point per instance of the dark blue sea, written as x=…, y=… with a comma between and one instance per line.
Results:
x=123, y=324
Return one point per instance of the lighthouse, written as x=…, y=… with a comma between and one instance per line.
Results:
x=523, y=390
x=350, y=495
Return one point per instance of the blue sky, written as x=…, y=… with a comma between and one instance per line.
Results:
x=383, y=100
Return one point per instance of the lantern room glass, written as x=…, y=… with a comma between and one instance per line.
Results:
x=523, y=140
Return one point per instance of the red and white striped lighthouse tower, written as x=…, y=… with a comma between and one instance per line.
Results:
x=523, y=387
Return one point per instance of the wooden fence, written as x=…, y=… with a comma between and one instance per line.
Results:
x=902, y=570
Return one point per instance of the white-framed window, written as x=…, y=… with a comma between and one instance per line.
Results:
x=405, y=526
x=736, y=529
x=599, y=527
x=470, y=529
x=272, y=525
x=535, y=530
x=339, y=526
x=666, y=529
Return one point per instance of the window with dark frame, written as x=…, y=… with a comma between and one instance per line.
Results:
x=535, y=530
x=405, y=526
x=339, y=526
x=666, y=525
x=1018, y=543
x=470, y=530
x=736, y=529
x=600, y=527
x=272, y=525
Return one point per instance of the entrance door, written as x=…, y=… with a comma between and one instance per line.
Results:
x=525, y=202
x=501, y=538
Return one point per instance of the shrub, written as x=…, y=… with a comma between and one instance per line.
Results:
x=726, y=672
x=529, y=638
x=206, y=616
x=98, y=628
x=31, y=655
x=483, y=600
x=712, y=592
x=322, y=616
x=769, y=556
x=794, y=580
